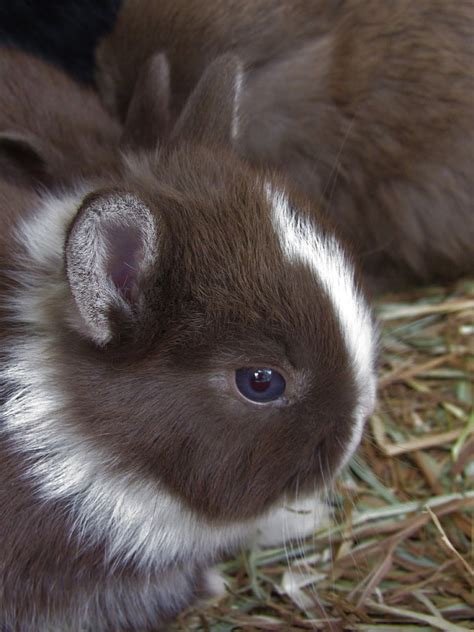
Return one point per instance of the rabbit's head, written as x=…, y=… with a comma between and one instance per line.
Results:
x=223, y=343
x=202, y=348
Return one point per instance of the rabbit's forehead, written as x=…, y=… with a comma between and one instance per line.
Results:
x=256, y=262
x=325, y=258
x=256, y=247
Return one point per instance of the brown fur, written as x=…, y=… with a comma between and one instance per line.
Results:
x=157, y=398
x=211, y=309
x=366, y=105
x=52, y=130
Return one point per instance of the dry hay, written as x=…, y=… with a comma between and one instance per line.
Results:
x=399, y=553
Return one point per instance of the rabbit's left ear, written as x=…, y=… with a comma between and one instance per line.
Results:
x=148, y=115
x=211, y=113
x=110, y=248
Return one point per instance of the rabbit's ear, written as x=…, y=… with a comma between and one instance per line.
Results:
x=23, y=158
x=211, y=113
x=148, y=115
x=110, y=248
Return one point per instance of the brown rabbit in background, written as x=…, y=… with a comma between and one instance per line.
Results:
x=185, y=351
x=366, y=106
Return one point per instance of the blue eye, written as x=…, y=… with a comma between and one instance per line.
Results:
x=260, y=385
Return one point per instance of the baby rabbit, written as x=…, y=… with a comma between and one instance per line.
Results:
x=185, y=348
x=366, y=105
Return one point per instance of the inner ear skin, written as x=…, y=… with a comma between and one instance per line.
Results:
x=126, y=251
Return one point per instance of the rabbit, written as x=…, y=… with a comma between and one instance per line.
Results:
x=187, y=347
x=366, y=106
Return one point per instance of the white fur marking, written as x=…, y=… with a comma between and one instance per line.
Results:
x=216, y=584
x=239, y=80
x=324, y=255
x=294, y=520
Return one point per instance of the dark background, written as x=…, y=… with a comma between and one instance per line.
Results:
x=64, y=32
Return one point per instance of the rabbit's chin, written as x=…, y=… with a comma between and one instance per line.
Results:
x=293, y=520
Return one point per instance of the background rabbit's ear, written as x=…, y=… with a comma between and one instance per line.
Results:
x=210, y=115
x=110, y=248
x=23, y=158
x=148, y=115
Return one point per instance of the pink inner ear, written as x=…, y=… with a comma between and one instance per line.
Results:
x=125, y=257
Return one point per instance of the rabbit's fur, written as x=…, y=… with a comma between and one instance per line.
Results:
x=52, y=130
x=129, y=297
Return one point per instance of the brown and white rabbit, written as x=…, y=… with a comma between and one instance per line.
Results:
x=185, y=347
x=366, y=105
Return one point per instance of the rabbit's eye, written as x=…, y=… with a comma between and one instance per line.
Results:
x=260, y=385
